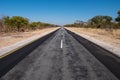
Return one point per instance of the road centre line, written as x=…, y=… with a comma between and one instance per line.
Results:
x=61, y=46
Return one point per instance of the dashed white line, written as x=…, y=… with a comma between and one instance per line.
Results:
x=61, y=46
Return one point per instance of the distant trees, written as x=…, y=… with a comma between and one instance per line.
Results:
x=18, y=23
x=7, y=23
x=99, y=21
x=40, y=25
x=15, y=22
x=118, y=18
x=77, y=23
x=33, y=25
x=2, y=27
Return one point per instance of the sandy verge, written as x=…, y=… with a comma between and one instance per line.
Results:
x=102, y=38
x=11, y=41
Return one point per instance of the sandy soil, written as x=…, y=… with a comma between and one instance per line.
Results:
x=102, y=35
x=105, y=39
x=7, y=39
x=12, y=41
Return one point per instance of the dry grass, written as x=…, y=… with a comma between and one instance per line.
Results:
x=7, y=39
x=109, y=36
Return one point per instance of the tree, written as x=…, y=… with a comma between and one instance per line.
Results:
x=79, y=23
x=108, y=19
x=101, y=21
x=7, y=23
x=34, y=25
x=26, y=23
x=118, y=18
x=19, y=22
x=2, y=26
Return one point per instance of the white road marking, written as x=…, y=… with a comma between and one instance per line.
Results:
x=61, y=46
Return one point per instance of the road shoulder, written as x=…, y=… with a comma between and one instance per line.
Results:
x=13, y=47
x=107, y=46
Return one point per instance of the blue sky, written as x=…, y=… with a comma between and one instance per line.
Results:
x=59, y=11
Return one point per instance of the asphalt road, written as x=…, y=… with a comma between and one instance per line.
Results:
x=61, y=57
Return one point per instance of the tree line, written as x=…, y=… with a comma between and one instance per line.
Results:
x=99, y=21
x=21, y=24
